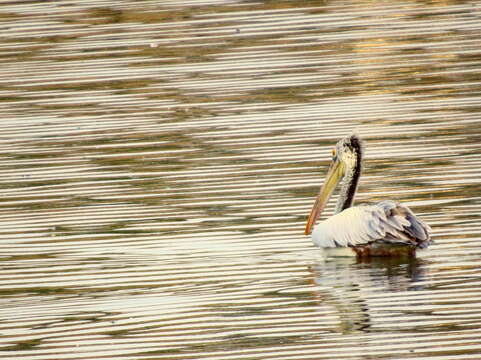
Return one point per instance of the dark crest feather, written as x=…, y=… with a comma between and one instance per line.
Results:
x=356, y=146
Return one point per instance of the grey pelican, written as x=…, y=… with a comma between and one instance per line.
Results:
x=386, y=228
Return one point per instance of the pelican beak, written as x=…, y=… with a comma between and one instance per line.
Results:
x=334, y=175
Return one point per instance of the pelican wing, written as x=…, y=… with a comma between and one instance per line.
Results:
x=386, y=221
x=398, y=224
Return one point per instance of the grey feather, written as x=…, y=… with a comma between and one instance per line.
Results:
x=403, y=226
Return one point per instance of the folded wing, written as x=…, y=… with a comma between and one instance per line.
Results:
x=385, y=222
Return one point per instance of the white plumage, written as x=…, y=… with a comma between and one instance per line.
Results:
x=386, y=221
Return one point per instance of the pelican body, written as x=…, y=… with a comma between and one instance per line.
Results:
x=386, y=228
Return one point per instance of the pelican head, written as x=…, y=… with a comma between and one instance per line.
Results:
x=346, y=166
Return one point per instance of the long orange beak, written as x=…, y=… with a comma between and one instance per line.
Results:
x=334, y=175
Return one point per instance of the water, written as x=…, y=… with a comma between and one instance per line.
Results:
x=159, y=160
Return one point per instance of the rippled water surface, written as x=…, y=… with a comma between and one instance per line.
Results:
x=159, y=159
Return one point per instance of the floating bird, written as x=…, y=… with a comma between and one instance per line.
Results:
x=386, y=228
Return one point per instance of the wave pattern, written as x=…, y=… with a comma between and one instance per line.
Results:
x=159, y=160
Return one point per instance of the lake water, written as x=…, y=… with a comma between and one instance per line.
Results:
x=159, y=160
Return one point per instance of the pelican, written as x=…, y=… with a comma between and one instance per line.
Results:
x=386, y=228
